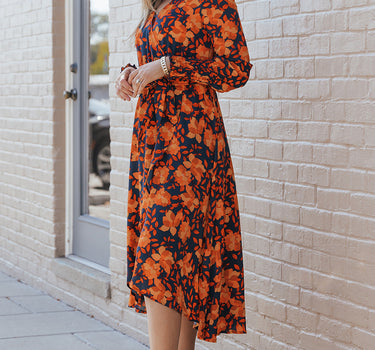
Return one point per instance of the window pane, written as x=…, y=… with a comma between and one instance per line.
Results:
x=99, y=144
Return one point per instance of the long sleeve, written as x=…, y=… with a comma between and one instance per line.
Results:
x=230, y=65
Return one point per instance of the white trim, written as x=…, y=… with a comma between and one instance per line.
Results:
x=68, y=129
x=89, y=263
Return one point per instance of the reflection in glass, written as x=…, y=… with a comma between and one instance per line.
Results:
x=99, y=145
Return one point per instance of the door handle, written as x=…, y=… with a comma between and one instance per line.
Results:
x=73, y=94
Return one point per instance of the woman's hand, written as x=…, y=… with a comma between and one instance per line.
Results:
x=144, y=75
x=124, y=90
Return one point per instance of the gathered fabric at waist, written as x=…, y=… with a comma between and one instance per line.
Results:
x=166, y=97
x=175, y=84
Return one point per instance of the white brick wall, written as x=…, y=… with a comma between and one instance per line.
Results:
x=305, y=182
x=30, y=145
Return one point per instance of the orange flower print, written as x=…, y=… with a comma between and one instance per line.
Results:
x=221, y=323
x=188, y=106
x=209, y=139
x=183, y=234
x=232, y=241
x=194, y=25
x=219, y=209
x=166, y=132
x=151, y=135
x=160, y=197
x=174, y=147
x=178, y=32
x=165, y=258
x=213, y=16
x=180, y=299
x=216, y=259
x=190, y=199
x=185, y=231
x=225, y=295
x=160, y=175
x=182, y=176
x=132, y=205
x=196, y=129
x=232, y=278
x=171, y=221
x=203, y=289
x=185, y=264
x=151, y=269
x=196, y=166
x=227, y=214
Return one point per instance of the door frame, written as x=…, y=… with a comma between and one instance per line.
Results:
x=81, y=230
x=68, y=130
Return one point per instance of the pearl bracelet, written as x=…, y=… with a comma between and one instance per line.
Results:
x=164, y=66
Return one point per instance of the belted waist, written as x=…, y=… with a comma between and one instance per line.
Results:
x=172, y=82
x=166, y=95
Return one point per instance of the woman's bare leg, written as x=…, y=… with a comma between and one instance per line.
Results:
x=187, y=335
x=164, y=326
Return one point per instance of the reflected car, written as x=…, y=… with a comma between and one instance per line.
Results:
x=100, y=151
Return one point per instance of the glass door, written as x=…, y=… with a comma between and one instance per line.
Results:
x=90, y=139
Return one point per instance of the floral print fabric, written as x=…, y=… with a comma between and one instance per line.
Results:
x=184, y=246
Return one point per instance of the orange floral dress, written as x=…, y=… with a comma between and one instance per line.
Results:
x=184, y=246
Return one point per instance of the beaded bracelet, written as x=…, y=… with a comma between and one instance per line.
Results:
x=128, y=65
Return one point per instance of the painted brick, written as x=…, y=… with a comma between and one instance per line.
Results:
x=297, y=235
x=301, y=318
x=298, y=25
x=255, y=10
x=347, y=42
x=284, y=47
x=347, y=134
x=269, y=69
x=299, y=68
x=314, y=45
x=331, y=21
x=284, y=7
x=349, y=89
x=313, y=89
x=299, y=194
x=362, y=19
x=283, y=130
x=318, y=132
x=316, y=218
x=269, y=28
x=335, y=66
x=302, y=139
x=269, y=189
x=317, y=5
x=283, y=90
x=283, y=171
x=349, y=179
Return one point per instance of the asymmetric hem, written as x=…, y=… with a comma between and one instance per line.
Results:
x=172, y=304
x=184, y=247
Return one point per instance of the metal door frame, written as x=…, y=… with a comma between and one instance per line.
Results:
x=86, y=236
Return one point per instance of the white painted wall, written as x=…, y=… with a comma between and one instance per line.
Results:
x=302, y=138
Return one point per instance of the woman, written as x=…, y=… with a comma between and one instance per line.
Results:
x=185, y=264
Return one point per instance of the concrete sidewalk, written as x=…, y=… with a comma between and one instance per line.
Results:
x=32, y=320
